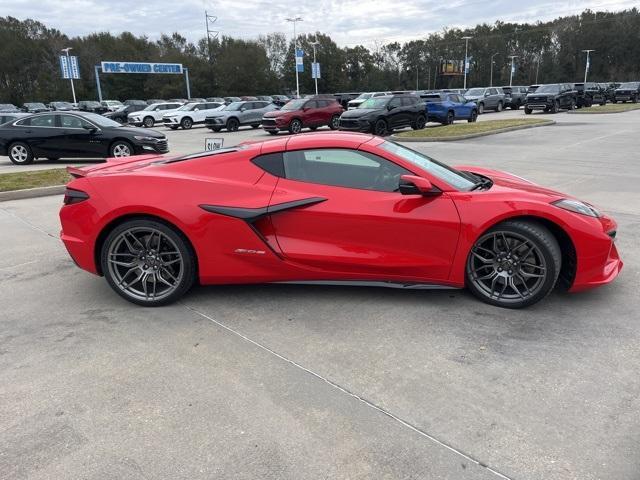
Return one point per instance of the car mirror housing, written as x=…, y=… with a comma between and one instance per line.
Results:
x=415, y=185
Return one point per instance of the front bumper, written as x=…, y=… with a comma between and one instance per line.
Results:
x=354, y=125
x=134, y=122
x=538, y=106
x=604, y=269
x=170, y=121
x=273, y=124
x=161, y=146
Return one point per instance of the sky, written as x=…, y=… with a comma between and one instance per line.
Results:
x=348, y=22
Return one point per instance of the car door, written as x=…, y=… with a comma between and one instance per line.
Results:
x=312, y=117
x=82, y=139
x=259, y=108
x=350, y=218
x=41, y=133
x=394, y=112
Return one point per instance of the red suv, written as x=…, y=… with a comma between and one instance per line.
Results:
x=303, y=113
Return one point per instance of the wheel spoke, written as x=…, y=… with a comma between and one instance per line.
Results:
x=504, y=287
x=512, y=284
x=122, y=264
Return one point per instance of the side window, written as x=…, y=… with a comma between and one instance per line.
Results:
x=493, y=91
x=407, y=101
x=25, y=122
x=343, y=168
x=311, y=104
x=43, y=121
x=71, y=121
x=395, y=102
x=271, y=163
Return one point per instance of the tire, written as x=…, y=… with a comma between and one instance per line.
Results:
x=120, y=148
x=527, y=111
x=137, y=262
x=53, y=159
x=450, y=118
x=186, y=123
x=480, y=108
x=474, y=116
x=420, y=122
x=634, y=99
x=556, y=107
x=313, y=129
x=148, y=122
x=335, y=122
x=380, y=128
x=255, y=125
x=499, y=107
x=273, y=132
x=516, y=106
x=233, y=124
x=518, y=256
x=295, y=126
x=572, y=105
x=20, y=153
x=173, y=127
x=215, y=129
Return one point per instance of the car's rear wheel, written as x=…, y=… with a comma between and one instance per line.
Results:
x=514, y=264
x=148, y=122
x=313, y=129
x=380, y=128
x=499, y=107
x=634, y=99
x=255, y=125
x=273, y=132
x=515, y=106
x=480, y=108
x=419, y=123
x=473, y=117
x=173, y=127
x=148, y=262
x=233, y=124
x=20, y=153
x=295, y=126
x=186, y=123
x=450, y=118
x=215, y=129
x=335, y=122
x=121, y=148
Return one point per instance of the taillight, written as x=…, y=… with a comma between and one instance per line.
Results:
x=72, y=196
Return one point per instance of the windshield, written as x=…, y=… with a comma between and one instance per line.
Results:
x=474, y=92
x=188, y=107
x=450, y=175
x=374, y=103
x=629, y=85
x=152, y=106
x=548, y=89
x=100, y=120
x=294, y=105
x=234, y=106
x=363, y=96
x=7, y=106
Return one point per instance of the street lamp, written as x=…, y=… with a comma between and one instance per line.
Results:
x=586, y=65
x=295, y=20
x=513, y=57
x=73, y=90
x=491, y=74
x=313, y=44
x=466, y=49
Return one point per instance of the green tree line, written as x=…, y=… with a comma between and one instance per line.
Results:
x=546, y=52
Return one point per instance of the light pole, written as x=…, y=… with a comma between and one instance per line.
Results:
x=73, y=90
x=513, y=57
x=295, y=20
x=313, y=44
x=491, y=74
x=466, y=49
x=586, y=65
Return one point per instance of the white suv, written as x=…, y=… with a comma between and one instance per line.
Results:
x=152, y=114
x=190, y=114
x=356, y=102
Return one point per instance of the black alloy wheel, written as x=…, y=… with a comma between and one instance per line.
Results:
x=295, y=126
x=420, y=123
x=473, y=117
x=233, y=124
x=513, y=265
x=380, y=128
x=186, y=123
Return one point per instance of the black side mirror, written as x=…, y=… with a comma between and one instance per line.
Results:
x=390, y=107
x=90, y=128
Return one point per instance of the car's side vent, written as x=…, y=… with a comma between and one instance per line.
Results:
x=612, y=233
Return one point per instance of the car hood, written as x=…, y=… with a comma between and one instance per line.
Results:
x=510, y=181
x=145, y=132
x=473, y=97
x=361, y=112
x=279, y=113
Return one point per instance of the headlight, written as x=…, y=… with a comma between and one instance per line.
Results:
x=145, y=139
x=577, y=206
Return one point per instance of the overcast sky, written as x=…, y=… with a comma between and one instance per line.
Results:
x=349, y=22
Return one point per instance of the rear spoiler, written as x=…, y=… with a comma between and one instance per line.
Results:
x=78, y=172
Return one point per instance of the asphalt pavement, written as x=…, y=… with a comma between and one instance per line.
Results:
x=309, y=382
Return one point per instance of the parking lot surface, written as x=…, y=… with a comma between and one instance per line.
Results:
x=292, y=382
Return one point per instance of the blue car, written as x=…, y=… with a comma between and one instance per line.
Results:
x=446, y=107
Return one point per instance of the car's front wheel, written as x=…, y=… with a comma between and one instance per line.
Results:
x=186, y=123
x=148, y=262
x=514, y=264
x=295, y=126
x=233, y=125
x=335, y=122
x=480, y=108
x=473, y=117
x=556, y=107
x=20, y=153
x=148, y=122
x=120, y=148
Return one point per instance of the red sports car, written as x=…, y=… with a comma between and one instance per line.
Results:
x=332, y=208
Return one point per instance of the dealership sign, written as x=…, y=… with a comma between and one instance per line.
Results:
x=141, y=67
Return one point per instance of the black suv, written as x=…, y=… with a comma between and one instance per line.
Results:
x=589, y=93
x=627, y=91
x=551, y=98
x=91, y=106
x=382, y=115
x=121, y=115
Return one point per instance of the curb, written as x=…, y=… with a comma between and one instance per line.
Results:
x=602, y=113
x=471, y=135
x=32, y=193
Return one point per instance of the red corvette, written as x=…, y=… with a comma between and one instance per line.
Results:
x=333, y=208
